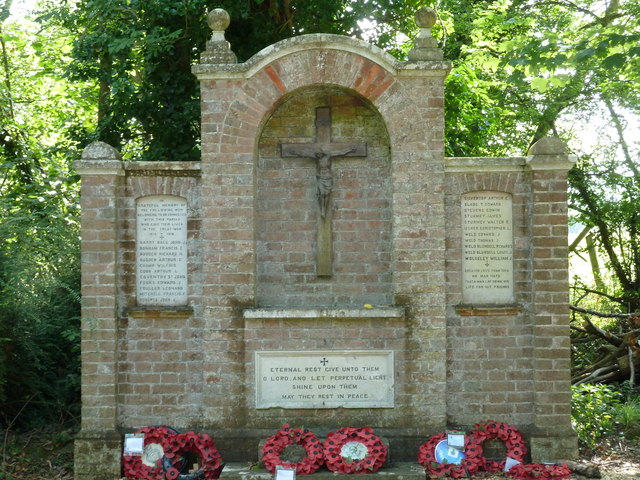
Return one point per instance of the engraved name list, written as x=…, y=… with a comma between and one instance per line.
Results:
x=161, y=250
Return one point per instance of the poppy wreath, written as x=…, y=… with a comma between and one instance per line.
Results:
x=275, y=445
x=202, y=445
x=354, y=450
x=469, y=465
x=133, y=466
x=539, y=471
x=512, y=438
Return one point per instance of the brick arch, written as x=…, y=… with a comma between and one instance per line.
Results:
x=501, y=182
x=267, y=87
x=140, y=186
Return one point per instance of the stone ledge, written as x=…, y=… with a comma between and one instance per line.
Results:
x=488, y=310
x=399, y=471
x=177, y=312
x=304, y=313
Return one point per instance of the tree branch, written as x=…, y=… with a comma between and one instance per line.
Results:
x=587, y=196
x=602, y=314
x=602, y=294
x=631, y=165
x=575, y=7
x=578, y=239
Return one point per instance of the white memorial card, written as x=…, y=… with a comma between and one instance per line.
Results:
x=133, y=444
x=456, y=440
x=285, y=474
x=510, y=462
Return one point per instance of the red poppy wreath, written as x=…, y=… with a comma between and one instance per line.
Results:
x=202, y=445
x=148, y=465
x=512, y=438
x=468, y=464
x=539, y=471
x=354, y=450
x=286, y=436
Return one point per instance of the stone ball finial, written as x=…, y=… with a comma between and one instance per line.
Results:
x=218, y=20
x=426, y=17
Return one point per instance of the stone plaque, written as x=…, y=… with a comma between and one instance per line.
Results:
x=329, y=379
x=487, y=247
x=161, y=250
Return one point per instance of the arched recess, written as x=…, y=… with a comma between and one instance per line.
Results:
x=288, y=210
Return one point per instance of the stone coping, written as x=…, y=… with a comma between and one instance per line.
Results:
x=164, y=165
x=508, y=164
x=303, y=313
x=325, y=41
x=114, y=166
x=484, y=164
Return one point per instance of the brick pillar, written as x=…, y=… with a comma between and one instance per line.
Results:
x=552, y=435
x=98, y=445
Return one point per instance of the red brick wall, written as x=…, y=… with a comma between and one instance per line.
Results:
x=489, y=350
x=159, y=349
x=243, y=118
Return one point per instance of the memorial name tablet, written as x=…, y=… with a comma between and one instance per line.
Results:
x=487, y=247
x=348, y=379
x=161, y=250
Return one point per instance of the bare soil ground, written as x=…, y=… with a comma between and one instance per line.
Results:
x=48, y=455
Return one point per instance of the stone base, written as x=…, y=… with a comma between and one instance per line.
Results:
x=553, y=449
x=98, y=455
x=241, y=446
x=399, y=471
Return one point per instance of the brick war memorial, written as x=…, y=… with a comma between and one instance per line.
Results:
x=323, y=266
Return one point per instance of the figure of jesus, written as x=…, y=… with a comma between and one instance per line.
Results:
x=324, y=175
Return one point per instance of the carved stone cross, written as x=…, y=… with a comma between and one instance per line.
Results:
x=323, y=151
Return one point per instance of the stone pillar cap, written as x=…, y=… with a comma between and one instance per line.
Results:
x=100, y=151
x=548, y=146
x=426, y=17
x=100, y=158
x=218, y=20
x=550, y=153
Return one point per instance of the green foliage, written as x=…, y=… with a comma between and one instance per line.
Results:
x=592, y=411
x=599, y=411
x=137, y=55
x=627, y=417
x=39, y=253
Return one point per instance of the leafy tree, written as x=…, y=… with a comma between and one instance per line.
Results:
x=138, y=54
x=531, y=67
x=39, y=257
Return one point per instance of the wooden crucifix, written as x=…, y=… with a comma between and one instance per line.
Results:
x=323, y=151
